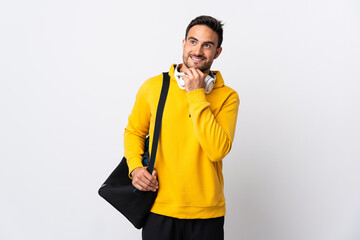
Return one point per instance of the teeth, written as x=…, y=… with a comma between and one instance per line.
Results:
x=196, y=59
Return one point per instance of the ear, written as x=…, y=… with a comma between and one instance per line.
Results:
x=218, y=51
x=183, y=43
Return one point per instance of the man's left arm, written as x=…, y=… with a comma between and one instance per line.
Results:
x=214, y=133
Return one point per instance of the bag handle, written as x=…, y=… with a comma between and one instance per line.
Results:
x=159, y=114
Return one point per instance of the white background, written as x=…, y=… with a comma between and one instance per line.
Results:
x=69, y=72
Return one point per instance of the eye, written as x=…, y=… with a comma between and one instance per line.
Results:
x=207, y=45
x=192, y=42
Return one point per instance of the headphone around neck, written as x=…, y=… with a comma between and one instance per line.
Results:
x=209, y=81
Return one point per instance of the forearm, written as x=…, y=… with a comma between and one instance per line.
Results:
x=214, y=133
x=134, y=149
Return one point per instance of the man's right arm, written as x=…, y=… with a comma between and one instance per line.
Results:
x=136, y=130
x=134, y=143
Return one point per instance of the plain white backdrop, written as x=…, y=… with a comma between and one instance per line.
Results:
x=69, y=72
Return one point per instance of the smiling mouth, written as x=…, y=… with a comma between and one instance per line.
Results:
x=196, y=59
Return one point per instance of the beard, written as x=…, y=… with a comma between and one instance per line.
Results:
x=205, y=66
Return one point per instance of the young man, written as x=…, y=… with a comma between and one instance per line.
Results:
x=197, y=131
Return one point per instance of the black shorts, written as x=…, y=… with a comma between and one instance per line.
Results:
x=159, y=227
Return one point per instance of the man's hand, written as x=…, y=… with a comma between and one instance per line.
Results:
x=143, y=180
x=194, y=79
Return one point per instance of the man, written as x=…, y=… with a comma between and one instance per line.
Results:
x=197, y=131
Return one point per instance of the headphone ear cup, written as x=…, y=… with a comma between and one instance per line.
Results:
x=209, y=84
x=180, y=81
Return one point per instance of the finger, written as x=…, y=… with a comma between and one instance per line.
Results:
x=185, y=77
x=154, y=173
x=154, y=180
x=137, y=185
x=150, y=177
x=140, y=175
x=152, y=184
x=142, y=186
x=146, y=187
x=200, y=73
x=188, y=73
x=144, y=181
x=149, y=180
x=149, y=187
x=194, y=73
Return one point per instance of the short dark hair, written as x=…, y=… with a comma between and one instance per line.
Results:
x=214, y=24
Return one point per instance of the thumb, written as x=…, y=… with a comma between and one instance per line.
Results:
x=154, y=173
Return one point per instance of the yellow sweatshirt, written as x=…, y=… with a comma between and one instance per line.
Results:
x=196, y=134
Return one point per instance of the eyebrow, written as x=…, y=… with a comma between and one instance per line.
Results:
x=208, y=42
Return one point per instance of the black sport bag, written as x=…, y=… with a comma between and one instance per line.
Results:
x=118, y=190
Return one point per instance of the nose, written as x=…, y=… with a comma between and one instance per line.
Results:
x=198, y=50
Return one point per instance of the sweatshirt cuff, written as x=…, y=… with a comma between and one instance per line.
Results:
x=196, y=96
x=132, y=164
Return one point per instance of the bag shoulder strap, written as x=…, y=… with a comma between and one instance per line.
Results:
x=159, y=114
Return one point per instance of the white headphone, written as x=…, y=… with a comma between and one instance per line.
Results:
x=209, y=81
